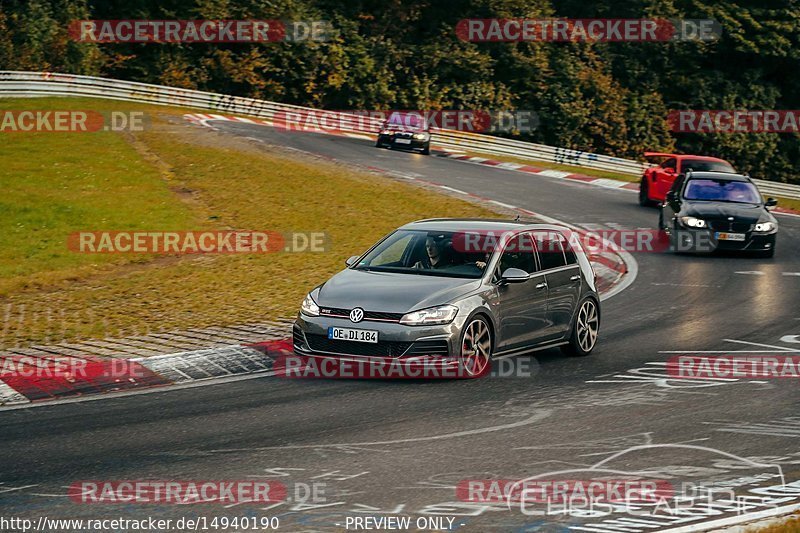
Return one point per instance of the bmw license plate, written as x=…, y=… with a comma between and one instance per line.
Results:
x=723, y=236
x=358, y=335
x=402, y=141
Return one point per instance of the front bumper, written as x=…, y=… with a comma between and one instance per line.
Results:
x=392, y=140
x=395, y=340
x=704, y=240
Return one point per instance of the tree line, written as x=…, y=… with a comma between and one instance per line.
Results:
x=611, y=98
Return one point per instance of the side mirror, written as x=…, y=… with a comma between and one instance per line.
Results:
x=669, y=170
x=771, y=202
x=514, y=275
x=352, y=260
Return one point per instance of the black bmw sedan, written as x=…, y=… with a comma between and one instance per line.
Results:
x=707, y=211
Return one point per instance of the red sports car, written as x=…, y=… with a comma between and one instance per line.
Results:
x=657, y=181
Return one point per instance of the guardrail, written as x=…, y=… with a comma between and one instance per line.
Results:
x=27, y=84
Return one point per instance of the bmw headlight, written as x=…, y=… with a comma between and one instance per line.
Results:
x=421, y=136
x=766, y=227
x=693, y=222
x=309, y=307
x=433, y=315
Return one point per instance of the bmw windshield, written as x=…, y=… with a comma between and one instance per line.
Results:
x=740, y=192
x=428, y=253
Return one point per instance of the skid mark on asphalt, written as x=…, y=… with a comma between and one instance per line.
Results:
x=541, y=415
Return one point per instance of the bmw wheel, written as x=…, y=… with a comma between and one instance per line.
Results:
x=584, y=332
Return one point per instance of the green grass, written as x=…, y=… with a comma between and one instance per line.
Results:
x=177, y=176
x=56, y=183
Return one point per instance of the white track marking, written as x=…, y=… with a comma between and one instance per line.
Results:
x=782, y=348
x=554, y=173
x=501, y=204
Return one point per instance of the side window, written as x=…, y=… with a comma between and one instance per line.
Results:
x=670, y=163
x=569, y=253
x=519, y=253
x=551, y=254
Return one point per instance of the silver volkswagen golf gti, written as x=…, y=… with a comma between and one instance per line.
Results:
x=456, y=291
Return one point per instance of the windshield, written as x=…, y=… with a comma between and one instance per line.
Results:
x=701, y=165
x=429, y=253
x=722, y=191
x=407, y=122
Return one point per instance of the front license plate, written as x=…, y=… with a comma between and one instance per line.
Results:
x=402, y=141
x=357, y=335
x=722, y=236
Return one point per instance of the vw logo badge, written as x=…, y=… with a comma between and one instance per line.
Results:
x=357, y=315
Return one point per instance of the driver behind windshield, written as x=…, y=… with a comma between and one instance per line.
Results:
x=436, y=255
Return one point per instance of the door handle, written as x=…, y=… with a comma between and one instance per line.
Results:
x=575, y=278
x=542, y=285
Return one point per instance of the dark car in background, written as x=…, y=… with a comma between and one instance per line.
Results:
x=408, y=131
x=423, y=291
x=707, y=211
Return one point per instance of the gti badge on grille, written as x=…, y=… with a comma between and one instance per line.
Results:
x=357, y=315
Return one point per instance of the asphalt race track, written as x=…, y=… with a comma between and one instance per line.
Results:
x=378, y=448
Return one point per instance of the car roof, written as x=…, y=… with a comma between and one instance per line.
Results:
x=701, y=158
x=728, y=176
x=475, y=224
x=685, y=156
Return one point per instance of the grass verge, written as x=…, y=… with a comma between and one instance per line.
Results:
x=175, y=176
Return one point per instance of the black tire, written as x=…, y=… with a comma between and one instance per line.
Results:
x=426, y=150
x=644, y=199
x=583, y=337
x=477, y=328
x=378, y=144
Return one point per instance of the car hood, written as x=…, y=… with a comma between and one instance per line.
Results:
x=716, y=210
x=391, y=292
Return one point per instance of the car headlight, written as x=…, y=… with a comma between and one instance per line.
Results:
x=309, y=307
x=766, y=227
x=693, y=222
x=433, y=315
x=421, y=136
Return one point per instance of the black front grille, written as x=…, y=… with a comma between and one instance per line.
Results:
x=321, y=343
x=732, y=227
x=437, y=347
x=376, y=315
x=368, y=315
